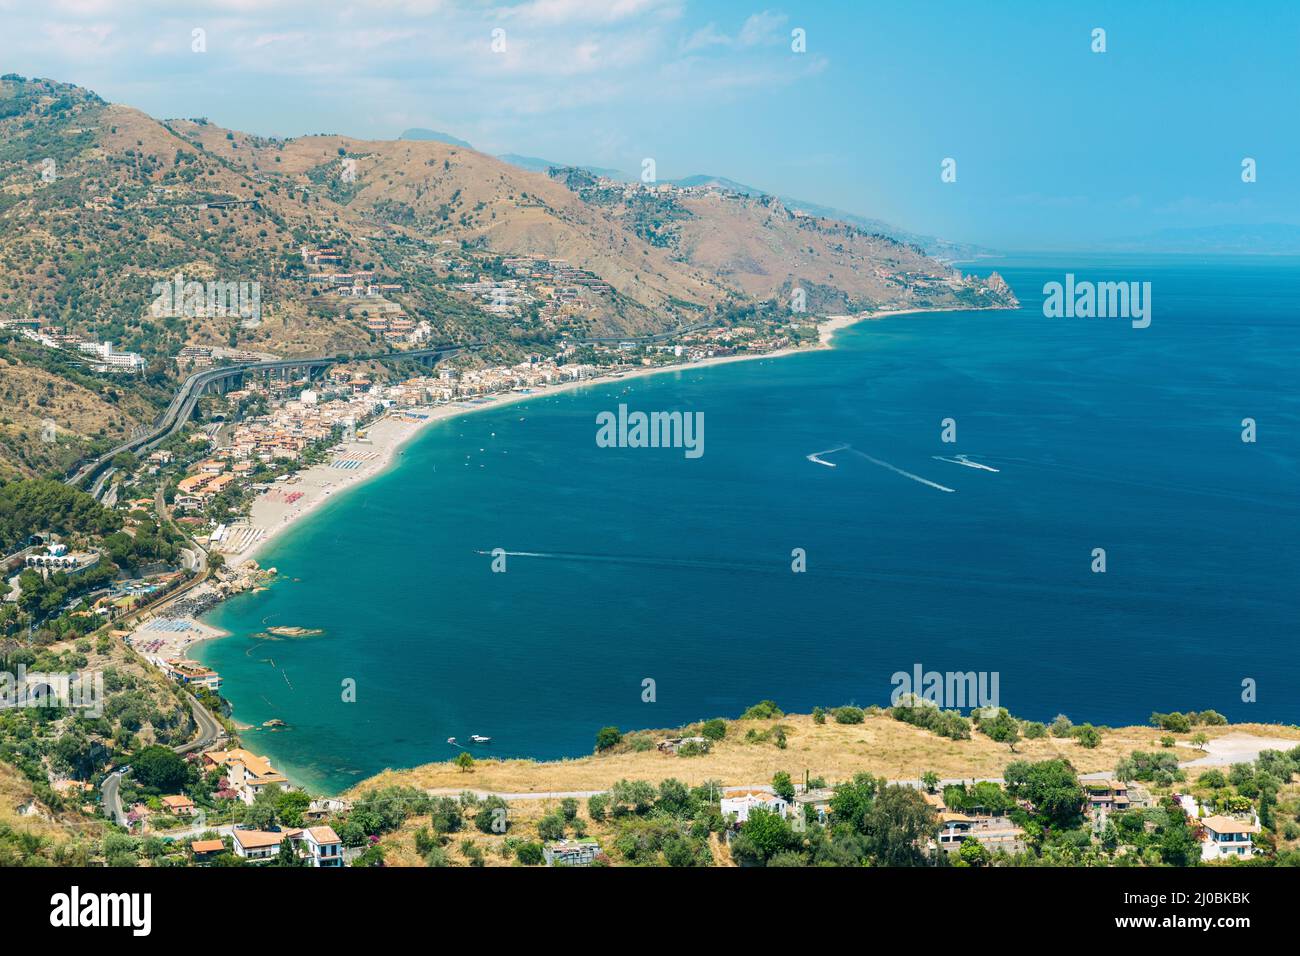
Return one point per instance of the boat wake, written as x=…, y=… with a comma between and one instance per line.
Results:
x=899, y=471
x=965, y=460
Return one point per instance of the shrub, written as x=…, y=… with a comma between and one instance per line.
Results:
x=945, y=723
x=1062, y=726
x=848, y=715
x=1087, y=736
x=493, y=816
x=693, y=748
x=763, y=710
x=1176, y=722
x=551, y=826
x=608, y=737
x=714, y=729
x=1033, y=730
x=529, y=854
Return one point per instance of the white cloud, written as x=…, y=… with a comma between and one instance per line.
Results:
x=588, y=11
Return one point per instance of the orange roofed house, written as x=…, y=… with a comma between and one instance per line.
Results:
x=247, y=773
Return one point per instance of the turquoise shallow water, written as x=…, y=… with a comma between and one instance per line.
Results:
x=652, y=565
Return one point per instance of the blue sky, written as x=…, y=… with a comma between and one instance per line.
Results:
x=1056, y=146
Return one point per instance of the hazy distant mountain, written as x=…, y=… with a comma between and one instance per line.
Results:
x=940, y=248
x=536, y=165
x=1272, y=238
x=945, y=249
x=436, y=136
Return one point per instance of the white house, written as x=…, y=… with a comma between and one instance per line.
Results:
x=736, y=804
x=321, y=844
x=256, y=844
x=1225, y=837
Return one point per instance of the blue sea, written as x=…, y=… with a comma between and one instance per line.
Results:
x=639, y=564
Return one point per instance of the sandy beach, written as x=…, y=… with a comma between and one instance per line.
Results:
x=172, y=632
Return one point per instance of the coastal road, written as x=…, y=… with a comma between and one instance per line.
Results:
x=185, y=400
x=112, y=799
x=210, y=731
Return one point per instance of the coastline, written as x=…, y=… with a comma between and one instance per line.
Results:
x=388, y=434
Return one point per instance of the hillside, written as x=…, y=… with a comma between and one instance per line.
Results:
x=880, y=745
x=100, y=202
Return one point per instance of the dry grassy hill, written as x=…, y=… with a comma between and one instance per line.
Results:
x=880, y=745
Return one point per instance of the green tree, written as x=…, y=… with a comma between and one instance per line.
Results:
x=765, y=834
x=465, y=761
x=852, y=801
x=1088, y=736
x=529, y=854
x=608, y=737
x=290, y=805
x=714, y=729
x=1178, y=843
x=973, y=853
x=1051, y=786
x=783, y=786
x=493, y=815
x=1002, y=727
x=551, y=826
x=898, y=826
x=160, y=769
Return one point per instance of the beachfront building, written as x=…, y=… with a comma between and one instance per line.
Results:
x=1227, y=837
x=188, y=672
x=736, y=804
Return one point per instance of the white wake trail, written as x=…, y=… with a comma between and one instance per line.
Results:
x=905, y=474
x=816, y=456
